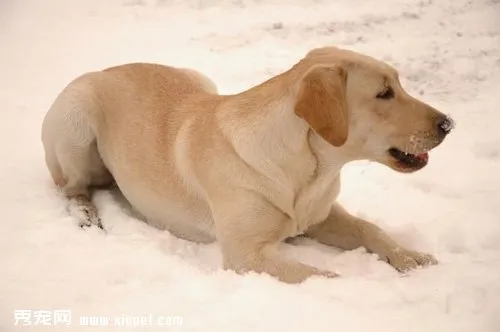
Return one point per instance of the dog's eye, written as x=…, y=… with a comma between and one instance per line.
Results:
x=388, y=93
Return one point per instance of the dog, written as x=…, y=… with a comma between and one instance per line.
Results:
x=250, y=169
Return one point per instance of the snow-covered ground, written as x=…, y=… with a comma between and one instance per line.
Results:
x=448, y=53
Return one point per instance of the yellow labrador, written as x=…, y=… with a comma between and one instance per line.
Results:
x=249, y=169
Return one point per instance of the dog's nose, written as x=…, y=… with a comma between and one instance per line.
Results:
x=444, y=125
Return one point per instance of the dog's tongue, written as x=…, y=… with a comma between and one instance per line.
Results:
x=424, y=156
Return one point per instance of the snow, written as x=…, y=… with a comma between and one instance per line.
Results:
x=447, y=52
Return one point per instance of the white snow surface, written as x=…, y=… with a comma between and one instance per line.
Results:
x=448, y=54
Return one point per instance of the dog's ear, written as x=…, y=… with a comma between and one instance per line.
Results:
x=321, y=102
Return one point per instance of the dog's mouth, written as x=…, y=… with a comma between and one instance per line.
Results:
x=407, y=161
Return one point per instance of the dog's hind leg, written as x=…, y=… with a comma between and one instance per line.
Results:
x=71, y=152
x=78, y=191
x=81, y=170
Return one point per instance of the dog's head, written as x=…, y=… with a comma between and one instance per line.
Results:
x=356, y=102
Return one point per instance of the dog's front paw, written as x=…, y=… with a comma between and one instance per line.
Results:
x=403, y=259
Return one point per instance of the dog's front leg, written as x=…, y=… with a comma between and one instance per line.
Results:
x=249, y=229
x=348, y=232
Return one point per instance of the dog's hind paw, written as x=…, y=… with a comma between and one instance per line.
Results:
x=89, y=222
x=86, y=214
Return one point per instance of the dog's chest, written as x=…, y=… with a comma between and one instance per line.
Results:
x=315, y=189
x=313, y=202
